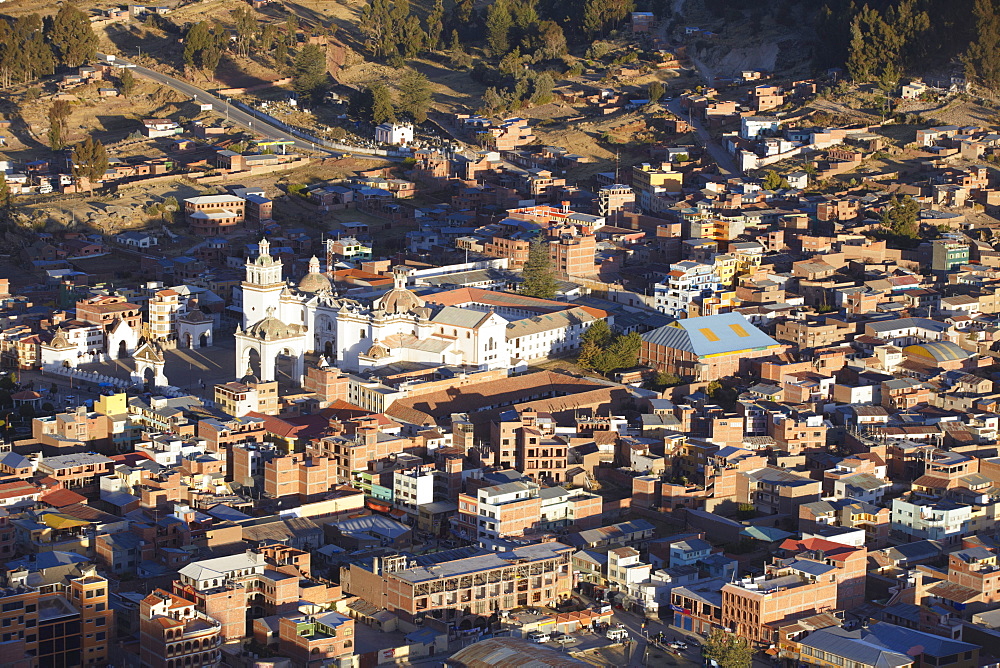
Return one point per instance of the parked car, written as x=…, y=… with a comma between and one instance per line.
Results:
x=539, y=637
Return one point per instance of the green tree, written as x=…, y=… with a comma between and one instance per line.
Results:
x=539, y=277
x=203, y=46
x=492, y=101
x=58, y=116
x=127, y=82
x=728, y=650
x=247, y=28
x=982, y=58
x=435, y=25
x=623, y=353
x=415, y=95
x=593, y=343
x=309, y=70
x=664, y=379
x=281, y=55
x=4, y=191
x=90, y=161
x=457, y=53
x=551, y=41
x=268, y=38
x=599, y=334
x=72, y=36
x=541, y=88
x=382, y=110
x=498, y=25
x=598, y=15
x=194, y=41
x=901, y=217
x=774, y=181
x=654, y=91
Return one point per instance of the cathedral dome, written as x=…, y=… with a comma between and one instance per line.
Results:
x=314, y=283
x=400, y=301
x=270, y=328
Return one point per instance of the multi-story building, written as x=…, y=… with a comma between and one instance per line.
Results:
x=754, y=607
x=79, y=472
x=652, y=183
x=949, y=253
x=526, y=442
x=685, y=284
x=776, y=491
x=613, y=197
x=850, y=563
x=321, y=640
x=303, y=475
x=923, y=518
x=454, y=587
x=211, y=215
x=58, y=619
x=521, y=507
x=236, y=589
x=163, y=309
x=795, y=432
x=73, y=429
x=248, y=396
x=172, y=632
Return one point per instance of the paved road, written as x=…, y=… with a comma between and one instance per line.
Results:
x=726, y=163
x=232, y=112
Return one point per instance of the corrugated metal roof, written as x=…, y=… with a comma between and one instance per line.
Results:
x=711, y=335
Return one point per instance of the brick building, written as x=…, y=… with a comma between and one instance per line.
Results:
x=173, y=633
x=454, y=587
x=525, y=441
x=706, y=348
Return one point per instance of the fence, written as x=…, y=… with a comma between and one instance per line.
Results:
x=99, y=378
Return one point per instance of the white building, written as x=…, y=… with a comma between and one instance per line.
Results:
x=931, y=519
x=913, y=90
x=686, y=283
x=468, y=326
x=74, y=343
x=394, y=134
x=861, y=487
x=412, y=488
x=218, y=572
x=168, y=449
x=798, y=180
x=751, y=127
x=625, y=569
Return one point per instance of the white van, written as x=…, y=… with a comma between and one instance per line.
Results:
x=539, y=637
x=617, y=634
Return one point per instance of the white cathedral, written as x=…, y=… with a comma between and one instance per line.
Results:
x=284, y=321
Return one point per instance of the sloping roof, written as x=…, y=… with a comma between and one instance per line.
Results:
x=511, y=653
x=721, y=334
x=939, y=351
x=844, y=644
x=459, y=317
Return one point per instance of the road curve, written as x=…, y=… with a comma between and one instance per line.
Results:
x=232, y=112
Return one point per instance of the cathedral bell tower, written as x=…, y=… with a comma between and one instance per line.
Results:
x=262, y=286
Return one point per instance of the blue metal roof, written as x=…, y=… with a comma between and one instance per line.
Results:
x=711, y=335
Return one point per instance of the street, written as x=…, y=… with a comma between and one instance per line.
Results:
x=726, y=163
x=220, y=106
